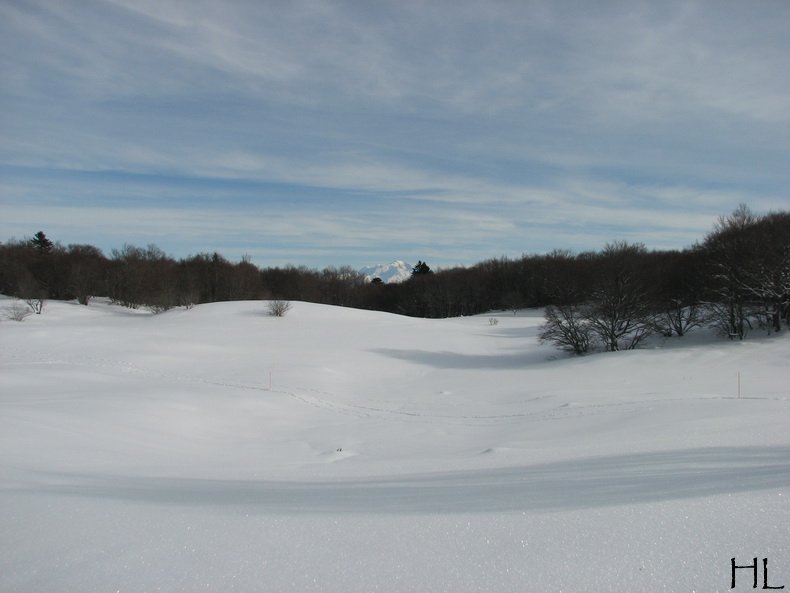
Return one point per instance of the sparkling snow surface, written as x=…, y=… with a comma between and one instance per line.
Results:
x=220, y=449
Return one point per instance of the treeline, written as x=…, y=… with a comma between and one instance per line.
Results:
x=147, y=277
x=737, y=277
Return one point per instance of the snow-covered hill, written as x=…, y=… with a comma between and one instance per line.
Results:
x=396, y=271
x=337, y=450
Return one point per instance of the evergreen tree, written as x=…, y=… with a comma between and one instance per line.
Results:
x=420, y=269
x=41, y=242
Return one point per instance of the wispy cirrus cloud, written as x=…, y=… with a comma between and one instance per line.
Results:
x=343, y=131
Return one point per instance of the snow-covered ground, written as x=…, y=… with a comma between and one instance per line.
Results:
x=220, y=449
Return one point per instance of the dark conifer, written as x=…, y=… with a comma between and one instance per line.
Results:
x=421, y=268
x=41, y=242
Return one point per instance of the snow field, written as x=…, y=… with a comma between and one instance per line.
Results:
x=221, y=449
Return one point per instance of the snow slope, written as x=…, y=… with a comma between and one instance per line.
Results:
x=339, y=450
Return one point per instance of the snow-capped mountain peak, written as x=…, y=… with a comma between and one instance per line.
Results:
x=396, y=271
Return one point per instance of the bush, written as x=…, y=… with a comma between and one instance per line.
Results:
x=17, y=311
x=278, y=308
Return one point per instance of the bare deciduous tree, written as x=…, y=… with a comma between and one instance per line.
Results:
x=620, y=312
x=32, y=293
x=567, y=328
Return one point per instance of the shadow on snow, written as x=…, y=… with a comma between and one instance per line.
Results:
x=564, y=485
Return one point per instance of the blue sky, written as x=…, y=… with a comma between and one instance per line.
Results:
x=355, y=133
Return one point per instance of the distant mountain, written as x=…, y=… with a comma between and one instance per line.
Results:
x=396, y=271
